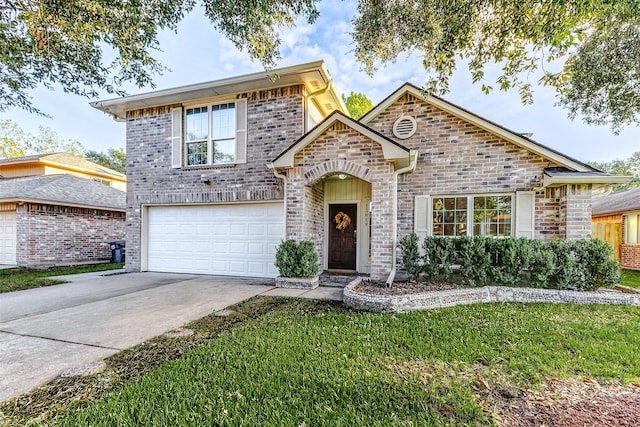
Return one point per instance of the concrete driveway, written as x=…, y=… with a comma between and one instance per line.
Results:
x=47, y=331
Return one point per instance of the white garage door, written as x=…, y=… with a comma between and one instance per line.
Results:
x=8, y=238
x=233, y=240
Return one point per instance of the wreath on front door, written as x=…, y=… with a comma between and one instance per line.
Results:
x=342, y=220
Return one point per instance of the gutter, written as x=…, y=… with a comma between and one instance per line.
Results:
x=413, y=161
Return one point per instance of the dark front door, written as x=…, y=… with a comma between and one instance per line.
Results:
x=342, y=236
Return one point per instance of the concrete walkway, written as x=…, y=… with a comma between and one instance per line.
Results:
x=47, y=331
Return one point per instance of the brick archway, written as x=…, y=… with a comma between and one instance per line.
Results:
x=337, y=166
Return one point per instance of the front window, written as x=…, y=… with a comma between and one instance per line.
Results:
x=487, y=215
x=210, y=134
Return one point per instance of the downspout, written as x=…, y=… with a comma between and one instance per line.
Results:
x=283, y=178
x=413, y=160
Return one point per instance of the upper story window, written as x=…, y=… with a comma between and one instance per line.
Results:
x=482, y=215
x=210, y=134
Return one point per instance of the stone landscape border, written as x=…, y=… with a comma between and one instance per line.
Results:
x=486, y=294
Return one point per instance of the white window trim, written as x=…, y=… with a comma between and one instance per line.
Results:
x=209, y=140
x=469, y=197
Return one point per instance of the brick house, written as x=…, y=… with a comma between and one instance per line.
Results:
x=61, y=163
x=58, y=220
x=220, y=172
x=616, y=220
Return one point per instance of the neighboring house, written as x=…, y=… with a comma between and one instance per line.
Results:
x=58, y=220
x=616, y=220
x=61, y=163
x=220, y=172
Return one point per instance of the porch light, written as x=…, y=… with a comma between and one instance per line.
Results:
x=342, y=176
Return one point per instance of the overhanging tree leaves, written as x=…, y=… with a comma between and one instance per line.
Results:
x=63, y=41
x=587, y=50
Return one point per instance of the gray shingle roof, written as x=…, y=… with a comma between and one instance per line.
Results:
x=625, y=201
x=62, y=190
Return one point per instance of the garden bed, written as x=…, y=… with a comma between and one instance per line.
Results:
x=402, y=298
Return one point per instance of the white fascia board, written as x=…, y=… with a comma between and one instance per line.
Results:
x=555, y=181
x=19, y=200
x=118, y=107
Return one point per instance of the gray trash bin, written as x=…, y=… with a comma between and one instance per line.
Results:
x=117, y=251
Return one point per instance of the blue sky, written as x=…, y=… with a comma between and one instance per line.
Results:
x=198, y=53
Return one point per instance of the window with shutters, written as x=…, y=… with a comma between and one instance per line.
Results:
x=472, y=215
x=211, y=134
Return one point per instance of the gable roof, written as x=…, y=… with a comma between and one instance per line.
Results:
x=466, y=115
x=66, y=190
x=314, y=75
x=625, y=201
x=555, y=176
x=390, y=149
x=66, y=161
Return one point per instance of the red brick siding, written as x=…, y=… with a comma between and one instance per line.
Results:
x=275, y=120
x=57, y=235
x=630, y=257
x=340, y=149
x=457, y=157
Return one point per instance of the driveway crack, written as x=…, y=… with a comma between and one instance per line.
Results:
x=59, y=340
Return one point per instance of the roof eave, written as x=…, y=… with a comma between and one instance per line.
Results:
x=87, y=171
x=58, y=202
x=391, y=151
x=556, y=181
x=297, y=74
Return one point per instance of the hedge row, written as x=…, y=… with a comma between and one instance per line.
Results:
x=478, y=261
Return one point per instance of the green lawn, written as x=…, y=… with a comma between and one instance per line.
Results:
x=17, y=279
x=630, y=278
x=310, y=363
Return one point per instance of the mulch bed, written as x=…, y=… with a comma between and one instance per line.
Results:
x=573, y=403
x=400, y=288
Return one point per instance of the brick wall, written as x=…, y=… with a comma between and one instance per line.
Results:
x=50, y=235
x=576, y=213
x=275, y=120
x=457, y=157
x=630, y=257
x=341, y=149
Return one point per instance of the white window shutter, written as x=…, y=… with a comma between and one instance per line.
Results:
x=525, y=214
x=176, y=137
x=241, y=131
x=421, y=216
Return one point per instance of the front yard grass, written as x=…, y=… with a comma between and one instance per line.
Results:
x=18, y=279
x=314, y=363
x=630, y=278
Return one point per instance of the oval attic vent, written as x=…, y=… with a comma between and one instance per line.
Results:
x=404, y=127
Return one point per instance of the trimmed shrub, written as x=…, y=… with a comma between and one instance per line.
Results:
x=439, y=256
x=542, y=264
x=583, y=265
x=411, y=255
x=308, y=259
x=474, y=259
x=293, y=260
